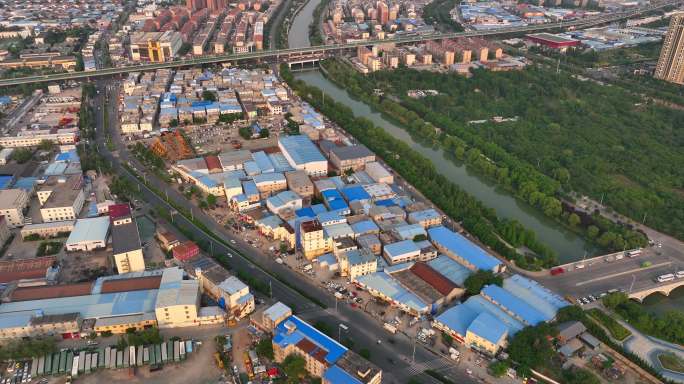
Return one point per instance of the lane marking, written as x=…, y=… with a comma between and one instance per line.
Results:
x=622, y=273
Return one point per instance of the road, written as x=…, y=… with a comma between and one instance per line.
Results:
x=364, y=330
x=279, y=54
x=600, y=275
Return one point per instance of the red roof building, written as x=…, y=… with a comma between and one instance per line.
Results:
x=434, y=278
x=118, y=211
x=552, y=41
x=185, y=251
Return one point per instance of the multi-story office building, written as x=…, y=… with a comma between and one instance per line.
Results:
x=671, y=62
x=155, y=46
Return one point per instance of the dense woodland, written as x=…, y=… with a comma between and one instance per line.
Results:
x=465, y=143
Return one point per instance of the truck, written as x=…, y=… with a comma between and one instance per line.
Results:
x=389, y=327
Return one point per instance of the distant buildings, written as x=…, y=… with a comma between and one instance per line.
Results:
x=671, y=62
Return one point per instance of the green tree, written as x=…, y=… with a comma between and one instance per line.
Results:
x=211, y=200
x=498, y=368
x=592, y=231
x=574, y=220
x=579, y=376
x=613, y=300
x=365, y=353
x=264, y=133
x=245, y=133
x=21, y=155
x=476, y=281
x=265, y=348
x=208, y=95
x=531, y=348
x=294, y=367
x=46, y=145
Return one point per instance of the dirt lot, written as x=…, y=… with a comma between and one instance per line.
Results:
x=198, y=368
x=81, y=266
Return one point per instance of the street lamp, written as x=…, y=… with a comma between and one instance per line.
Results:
x=340, y=327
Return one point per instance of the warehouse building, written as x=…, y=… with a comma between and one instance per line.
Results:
x=383, y=286
x=519, y=303
x=463, y=250
x=89, y=234
x=303, y=155
x=113, y=303
x=352, y=157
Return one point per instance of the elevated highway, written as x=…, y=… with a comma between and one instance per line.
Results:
x=287, y=54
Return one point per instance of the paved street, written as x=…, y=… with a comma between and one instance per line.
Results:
x=600, y=275
x=365, y=330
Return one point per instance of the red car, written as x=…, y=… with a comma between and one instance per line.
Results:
x=557, y=271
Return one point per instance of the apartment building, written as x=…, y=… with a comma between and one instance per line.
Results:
x=12, y=205
x=61, y=198
x=126, y=247
x=314, y=241
x=670, y=65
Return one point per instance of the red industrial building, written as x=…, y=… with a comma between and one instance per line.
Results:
x=552, y=41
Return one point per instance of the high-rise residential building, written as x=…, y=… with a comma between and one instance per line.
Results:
x=671, y=62
x=194, y=5
x=383, y=13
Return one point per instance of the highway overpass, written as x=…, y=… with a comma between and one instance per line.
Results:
x=292, y=53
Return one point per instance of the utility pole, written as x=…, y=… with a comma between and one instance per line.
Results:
x=211, y=243
x=632, y=285
x=643, y=221
x=270, y=289
x=413, y=354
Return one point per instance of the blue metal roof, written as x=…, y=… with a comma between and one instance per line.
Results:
x=331, y=194
x=424, y=215
x=462, y=247
x=293, y=329
x=337, y=375
x=251, y=168
x=536, y=294
x=355, y=192
x=450, y=269
x=458, y=318
x=514, y=304
x=26, y=183
x=250, y=188
x=488, y=327
x=305, y=212
x=365, y=226
x=327, y=218
x=339, y=205
x=301, y=149
x=385, y=203
x=388, y=286
x=409, y=231
x=262, y=160
x=319, y=208
x=400, y=248
x=5, y=181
